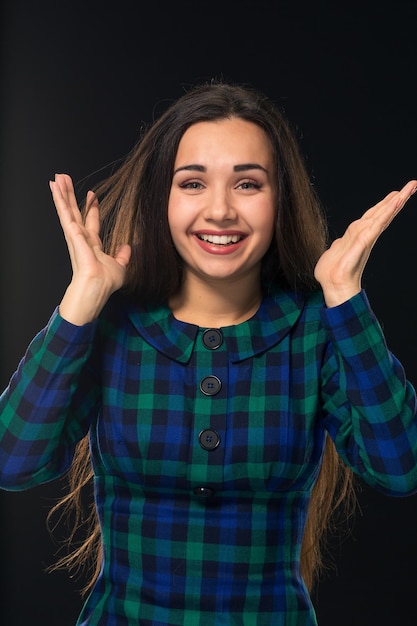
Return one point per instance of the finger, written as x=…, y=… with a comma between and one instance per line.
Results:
x=395, y=200
x=396, y=203
x=377, y=219
x=406, y=192
x=123, y=255
x=67, y=195
x=65, y=213
x=71, y=226
x=92, y=218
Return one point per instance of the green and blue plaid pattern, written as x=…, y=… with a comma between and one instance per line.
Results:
x=206, y=446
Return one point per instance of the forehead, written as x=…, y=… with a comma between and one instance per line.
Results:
x=234, y=137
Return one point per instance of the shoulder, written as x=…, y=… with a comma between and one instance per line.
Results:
x=306, y=306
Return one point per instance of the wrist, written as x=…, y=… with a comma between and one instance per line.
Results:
x=82, y=303
x=336, y=296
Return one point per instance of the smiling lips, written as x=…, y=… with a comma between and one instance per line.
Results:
x=219, y=240
x=220, y=244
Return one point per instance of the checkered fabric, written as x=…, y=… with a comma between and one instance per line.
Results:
x=206, y=444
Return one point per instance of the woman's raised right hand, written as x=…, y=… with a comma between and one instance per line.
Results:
x=96, y=275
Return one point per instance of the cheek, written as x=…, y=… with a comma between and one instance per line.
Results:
x=266, y=224
x=174, y=216
x=178, y=225
x=181, y=214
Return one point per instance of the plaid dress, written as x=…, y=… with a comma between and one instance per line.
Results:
x=206, y=444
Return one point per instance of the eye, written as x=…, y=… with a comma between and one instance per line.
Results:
x=191, y=184
x=248, y=184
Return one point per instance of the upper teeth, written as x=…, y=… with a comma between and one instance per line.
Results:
x=220, y=239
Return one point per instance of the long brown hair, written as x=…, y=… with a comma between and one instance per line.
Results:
x=133, y=205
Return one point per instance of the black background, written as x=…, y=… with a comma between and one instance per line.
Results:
x=78, y=82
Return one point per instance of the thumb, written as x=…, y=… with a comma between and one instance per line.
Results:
x=123, y=255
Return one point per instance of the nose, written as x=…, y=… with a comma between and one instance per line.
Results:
x=220, y=207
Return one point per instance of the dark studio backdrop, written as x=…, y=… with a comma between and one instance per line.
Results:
x=78, y=82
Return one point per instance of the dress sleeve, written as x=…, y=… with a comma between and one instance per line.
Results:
x=370, y=406
x=48, y=405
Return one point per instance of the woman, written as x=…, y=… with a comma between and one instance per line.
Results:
x=224, y=364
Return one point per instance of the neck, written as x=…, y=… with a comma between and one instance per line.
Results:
x=216, y=304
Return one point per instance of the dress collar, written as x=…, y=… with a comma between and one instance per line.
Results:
x=275, y=317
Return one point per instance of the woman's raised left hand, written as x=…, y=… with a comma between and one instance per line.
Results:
x=339, y=270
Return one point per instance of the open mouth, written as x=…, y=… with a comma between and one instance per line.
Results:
x=220, y=240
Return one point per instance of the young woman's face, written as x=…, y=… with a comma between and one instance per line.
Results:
x=221, y=205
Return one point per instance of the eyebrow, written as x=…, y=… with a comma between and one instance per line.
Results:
x=242, y=167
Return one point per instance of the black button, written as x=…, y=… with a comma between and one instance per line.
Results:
x=204, y=492
x=210, y=385
x=209, y=439
x=212, y=338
